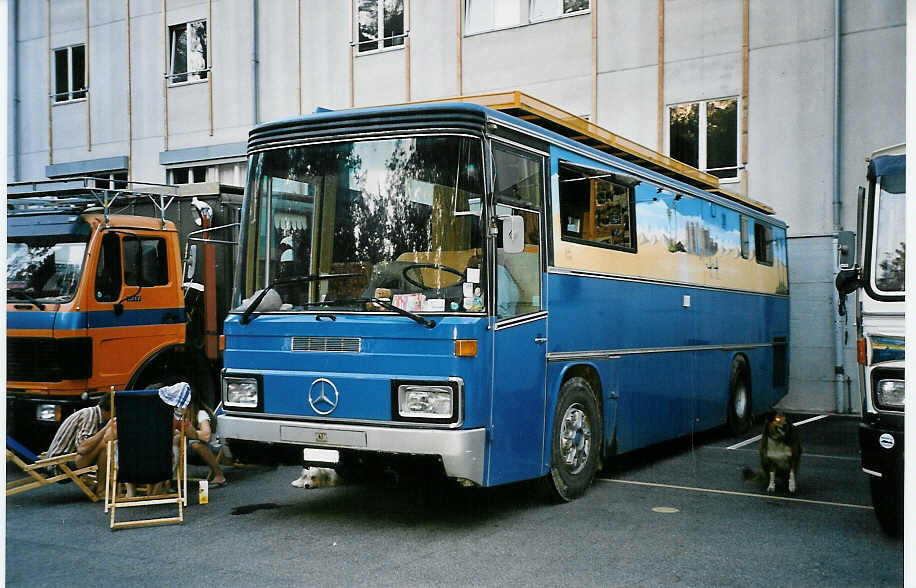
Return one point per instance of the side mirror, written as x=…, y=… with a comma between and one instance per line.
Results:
x=847, y=280
x=190, y=266
x=513, y=230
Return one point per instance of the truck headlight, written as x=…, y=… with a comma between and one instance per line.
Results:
x=240, y=392
x=48, y=413
x=889, y=394
x=433, y=402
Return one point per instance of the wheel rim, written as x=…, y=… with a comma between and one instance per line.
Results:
x=740, y=400
x=575, y=439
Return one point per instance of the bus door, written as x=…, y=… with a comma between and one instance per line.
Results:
x=516, y=441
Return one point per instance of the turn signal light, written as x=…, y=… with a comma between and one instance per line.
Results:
x=860, y=351
x=466, y=347
x=222, y=342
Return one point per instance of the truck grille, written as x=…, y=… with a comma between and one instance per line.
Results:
x=330, y=344
x=48, y=360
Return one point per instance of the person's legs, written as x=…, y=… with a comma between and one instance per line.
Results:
x=203, y=450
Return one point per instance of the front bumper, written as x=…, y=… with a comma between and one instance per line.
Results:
x=461, y=450
x=881, y=441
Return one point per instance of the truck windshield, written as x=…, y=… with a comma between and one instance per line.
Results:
x=402, y=214
x=43, y=269
x=890, y=249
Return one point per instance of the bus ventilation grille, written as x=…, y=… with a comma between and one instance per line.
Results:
x=330, y=344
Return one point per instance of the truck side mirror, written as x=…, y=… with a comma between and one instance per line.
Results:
x=847, y=280
x=513, y=233
x=190, y=264
x=846, y=241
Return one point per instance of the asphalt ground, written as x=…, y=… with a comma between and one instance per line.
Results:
x=675, y=515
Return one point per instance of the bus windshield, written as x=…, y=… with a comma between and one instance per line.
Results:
x=42, y=269
x=890, y=248
x=396, y=219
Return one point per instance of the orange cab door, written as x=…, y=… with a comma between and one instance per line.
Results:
x=136, y=308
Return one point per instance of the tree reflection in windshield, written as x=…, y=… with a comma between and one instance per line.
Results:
x=377, y=208
x=44, y=270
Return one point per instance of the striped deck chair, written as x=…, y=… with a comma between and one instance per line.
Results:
x=144, y=456
x=35, y=468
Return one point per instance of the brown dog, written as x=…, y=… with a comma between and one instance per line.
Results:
x=780, y=452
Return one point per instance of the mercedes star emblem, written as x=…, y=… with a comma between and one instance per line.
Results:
x=323, y=396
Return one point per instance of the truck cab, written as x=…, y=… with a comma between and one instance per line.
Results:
x=95, y=300
x=877, y=279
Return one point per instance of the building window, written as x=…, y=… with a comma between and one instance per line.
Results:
x=69, y=73
x=188, y=52
x=188, y=175
x=116, y=180
x=488, y=15
x=380, y=24
x=704, y=135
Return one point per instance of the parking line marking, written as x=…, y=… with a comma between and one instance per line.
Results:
x=732, y=493
x=806, y=455
x=798, y=424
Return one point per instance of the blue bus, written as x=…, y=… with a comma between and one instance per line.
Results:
x=451, y=283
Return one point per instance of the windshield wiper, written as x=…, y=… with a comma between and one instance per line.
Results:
x=25, y=296
x=249, y=310
x=428, y=323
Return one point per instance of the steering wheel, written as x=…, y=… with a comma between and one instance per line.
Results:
x=435, y=266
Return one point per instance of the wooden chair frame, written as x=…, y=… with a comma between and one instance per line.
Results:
x=178, y=498
x=37, y=478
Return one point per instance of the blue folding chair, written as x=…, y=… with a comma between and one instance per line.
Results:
x=145, y=426
x=35, y=468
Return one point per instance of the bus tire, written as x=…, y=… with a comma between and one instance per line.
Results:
x=575, y=442
x=887, y=499
x=739, y=397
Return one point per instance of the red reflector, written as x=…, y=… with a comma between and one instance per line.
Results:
x=860, y=351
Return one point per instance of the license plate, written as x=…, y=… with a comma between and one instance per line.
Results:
x=323, y=456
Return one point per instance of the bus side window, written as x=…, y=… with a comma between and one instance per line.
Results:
x=745, y=239
x=108, y=270
x=763, y=243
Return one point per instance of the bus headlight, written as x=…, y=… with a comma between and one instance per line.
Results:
x=889, y=394
x=425, y=401
x=240, y=392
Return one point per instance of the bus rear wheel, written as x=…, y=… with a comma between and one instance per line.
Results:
x=575, y=442
x=739, y=397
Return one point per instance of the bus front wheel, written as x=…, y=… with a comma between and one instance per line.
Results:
x=739, y=397
x=887, y=498
x=575, y=441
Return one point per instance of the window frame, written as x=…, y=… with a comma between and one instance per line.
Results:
x=380, y=28
x=523, y=21
x=68, y=95
x=702, y=136
x=191, y=77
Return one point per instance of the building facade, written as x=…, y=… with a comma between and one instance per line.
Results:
x=781, y=99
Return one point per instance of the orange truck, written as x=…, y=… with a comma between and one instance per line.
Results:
x=121, y=285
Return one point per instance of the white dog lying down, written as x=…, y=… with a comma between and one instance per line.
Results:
x=315, y=477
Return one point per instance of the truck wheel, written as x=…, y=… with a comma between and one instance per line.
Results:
x=575, y=442
x=739, y=397
x=887, y=498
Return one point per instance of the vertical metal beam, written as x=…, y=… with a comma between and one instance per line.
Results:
x=210, y=36
x=254, y=62
x=407, y=48
x=594, y=7
x=87, y=54
x=459, y=30
x=299, y=53
x=14, y=76
x=130, y=114
x=50, y=92
x=352, y=26
x=661, y=76
x=745, y=57
x=839, y=371
x=165, y=78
